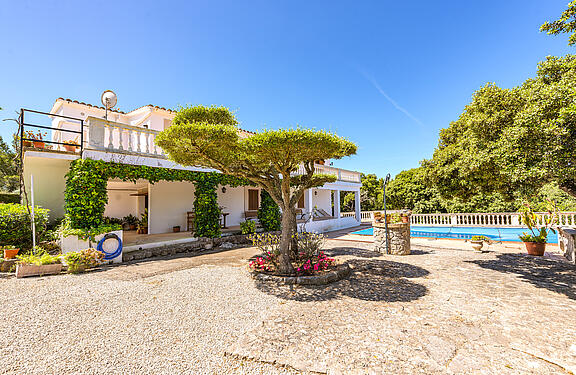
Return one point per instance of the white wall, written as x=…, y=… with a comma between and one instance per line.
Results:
x=49, y=182
x=168, y=203
x=121, y=204
x=233, y=201
x=322, y=198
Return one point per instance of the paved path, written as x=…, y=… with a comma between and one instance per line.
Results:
x=437, y=311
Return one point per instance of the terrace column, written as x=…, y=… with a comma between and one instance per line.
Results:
x=337, y=204
x=310, y=205
x=357, y=204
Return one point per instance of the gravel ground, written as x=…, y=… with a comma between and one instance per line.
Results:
x=176, y=323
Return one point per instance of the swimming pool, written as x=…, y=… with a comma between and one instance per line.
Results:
x=465, y=233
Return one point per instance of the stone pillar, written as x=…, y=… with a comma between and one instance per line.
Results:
x=567, y=242
x=337, y=204
x=310, y=204
x=357, y=204
x=398, y=234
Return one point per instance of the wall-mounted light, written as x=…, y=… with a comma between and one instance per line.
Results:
x=223, y=189
x=315, y=192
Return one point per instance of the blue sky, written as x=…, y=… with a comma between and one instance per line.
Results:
x=385, y=74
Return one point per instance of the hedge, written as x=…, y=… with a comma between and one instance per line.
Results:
x=269, y=212
x=15, y=226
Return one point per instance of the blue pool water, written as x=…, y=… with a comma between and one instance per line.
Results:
x=496, y=234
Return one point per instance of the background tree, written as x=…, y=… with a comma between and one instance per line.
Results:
x=208, y=137
x=9, y=180
x=371, y=193
x=512, y=141
x=565, y=24
x=408, y=190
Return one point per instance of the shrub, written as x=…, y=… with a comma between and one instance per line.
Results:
x=39, y=258
x=66, y=230
x=248, y=227
x=309, y=260
x=268, y=213
x=480, y=238
x=15, y=225
x=78, y=261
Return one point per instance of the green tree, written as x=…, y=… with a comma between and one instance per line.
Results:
x=512, y=141
x=9, y=181
x=371, y=193
x=208, y=137
x=565, y=24
x=408, y=190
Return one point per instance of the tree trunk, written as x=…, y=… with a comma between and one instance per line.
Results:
x=288, y=224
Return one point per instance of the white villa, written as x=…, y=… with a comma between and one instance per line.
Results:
x=128, y=137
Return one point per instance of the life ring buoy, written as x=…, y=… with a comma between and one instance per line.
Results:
x=115, y=253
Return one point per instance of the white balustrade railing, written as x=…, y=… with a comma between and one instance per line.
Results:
x=340, y=174
x=122, y=138
x=503, y=219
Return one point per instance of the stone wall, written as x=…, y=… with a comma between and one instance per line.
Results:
x=567, y=242
x=398, y=234
x=197, y=246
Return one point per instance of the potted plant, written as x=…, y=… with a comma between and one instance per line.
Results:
x=71, y=146
x=377, y=216
x=143, y=223
x=405, y=216
x=393, y=218
x=536, y=240
x=10, y=251
x=80, y=261
x=131, y=221
x=37, y=263
x=478, y=242
x=176, y=228
x=37, y=138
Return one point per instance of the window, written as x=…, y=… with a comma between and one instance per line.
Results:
x=253, y=199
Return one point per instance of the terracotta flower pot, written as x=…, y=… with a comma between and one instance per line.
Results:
x=38, y=144
x=405, y=219
x=71, y=148
x=535, y=248
x=176, y=229
x=10, y=253
x=26, y=143
x=477, y=245
x=132, y=226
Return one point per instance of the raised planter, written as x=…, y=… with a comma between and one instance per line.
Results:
x=24, y=270
x=341, y=271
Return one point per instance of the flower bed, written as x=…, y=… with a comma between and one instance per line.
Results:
x=310, y=264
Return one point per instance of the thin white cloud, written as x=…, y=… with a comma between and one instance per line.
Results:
x=392, y=101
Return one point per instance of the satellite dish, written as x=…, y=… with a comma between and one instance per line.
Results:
x=109, y=100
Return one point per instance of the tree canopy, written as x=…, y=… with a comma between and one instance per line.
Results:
x=279, y=161
x=565, y=24
x=512, y=140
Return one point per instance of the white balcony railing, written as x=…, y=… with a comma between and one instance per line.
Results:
x=121, y=138
x=504, y=219
x=340, y=174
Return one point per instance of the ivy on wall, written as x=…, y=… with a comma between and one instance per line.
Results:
x=86, y=196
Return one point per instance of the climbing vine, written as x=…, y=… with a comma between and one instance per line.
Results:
x=86, y=196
